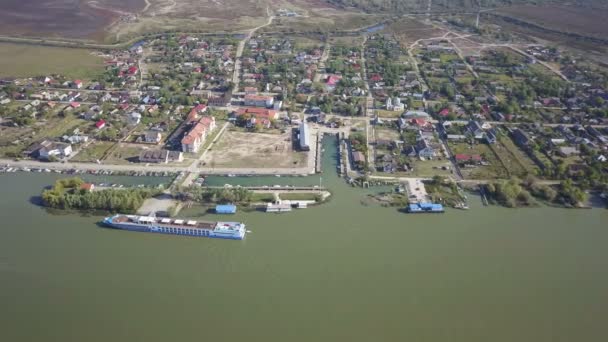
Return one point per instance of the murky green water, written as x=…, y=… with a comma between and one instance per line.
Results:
x=338, y=272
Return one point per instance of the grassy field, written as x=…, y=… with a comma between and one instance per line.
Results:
x=430, y=168
x=298, y=196
x=492, y=171
x=16, y=139
x=93, y=152
x=124, y=154
x=258, y=197
x=388, y=113
x=517, y=156
x=17, y=60
x=582, y=20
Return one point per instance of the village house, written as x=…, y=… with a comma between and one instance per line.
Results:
x=475, y=129
x=358, y=159
x=259, y=101
x=262, y=115
x=521, y=138
x=567, y=151
x=468, y=159
x=53, y=149
x=424, y=149
x=88, y=187
x=160, y=156
x=219, y=101
x=100, y=124
x=76, y=139
x=152, y=137
x=134, y=118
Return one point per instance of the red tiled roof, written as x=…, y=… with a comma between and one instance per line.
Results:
x=260, y=113
x=419, y=122
x=87, y=186
x=201, y=108
x=100, y=123
x=333, y=79
x=375, y=78
x=467, y=157
x=198, y=130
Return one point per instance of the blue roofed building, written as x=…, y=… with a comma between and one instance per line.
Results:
x=225, y=209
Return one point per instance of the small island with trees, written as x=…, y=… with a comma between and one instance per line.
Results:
x=71, y=193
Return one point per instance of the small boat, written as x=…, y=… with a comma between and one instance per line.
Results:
x=462, y=206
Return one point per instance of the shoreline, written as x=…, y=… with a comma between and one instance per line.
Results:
x=87, y=167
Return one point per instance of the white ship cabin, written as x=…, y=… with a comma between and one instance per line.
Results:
x=184, y=227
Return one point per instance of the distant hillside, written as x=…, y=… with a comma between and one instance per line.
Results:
x=402, y=6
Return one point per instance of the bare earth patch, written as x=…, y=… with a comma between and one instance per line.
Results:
x=255, y=150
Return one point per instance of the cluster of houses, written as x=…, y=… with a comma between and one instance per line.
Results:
x=563, y=141
x=426, y=145
x=206, y=63
x=384, y=53
x=273, y=64
x=482, y=132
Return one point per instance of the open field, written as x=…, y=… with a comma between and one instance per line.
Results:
x=430, y=168
x=16, y=139
x=388, y=113
x=581, y=20
x=590, y=49
x=408, y=30
x=114, y=20
x=63, y=18
x=386, y=134
x=519, y=163
x=323, y=18
x=93, y=152
x=17, y=60
x=124, y=153
x=494, y=169
x=255, y=150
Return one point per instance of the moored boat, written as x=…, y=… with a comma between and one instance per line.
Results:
x=222, y=230
x=415, y=208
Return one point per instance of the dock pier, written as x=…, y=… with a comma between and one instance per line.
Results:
x=319, y=153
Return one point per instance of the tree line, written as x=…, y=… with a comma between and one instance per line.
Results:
x=69, y=194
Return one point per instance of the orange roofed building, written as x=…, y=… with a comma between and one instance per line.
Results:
x=258, y=113
x=198, y=132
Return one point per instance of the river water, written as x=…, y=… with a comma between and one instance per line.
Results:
x=344, y=271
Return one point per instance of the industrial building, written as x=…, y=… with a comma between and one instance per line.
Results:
x=304, y=137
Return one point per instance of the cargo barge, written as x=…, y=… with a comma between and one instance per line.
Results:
x=418, y=208
x=221, y=230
